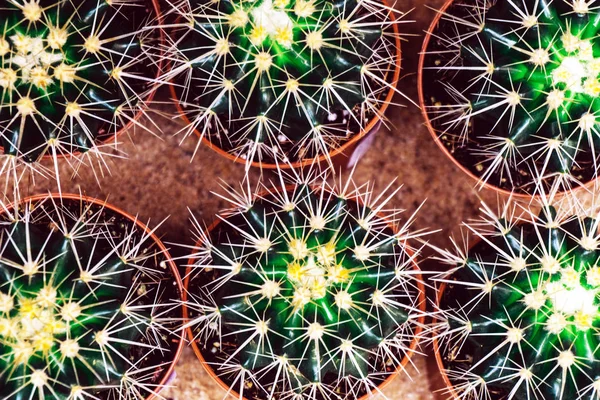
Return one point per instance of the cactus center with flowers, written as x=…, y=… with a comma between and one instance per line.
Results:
x=521, y=312
x=27, y=61
x=561, y=69
x=561, y=66
x=579, y=72
x=274, y=26
x=37, y=324
x=566, y=294
x=28, y=57
x=313, y=271
x=271, y=22
x=39, y=58
x=75, y=316
x=577, y=69
x=72, y=74
x=513, y=91
x=288, y=79
x=311, y=283
x=572, y=296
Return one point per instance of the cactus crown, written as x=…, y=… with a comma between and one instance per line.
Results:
x=306, y=293
x=520, y=313
x=283, y=80
x=84, y=307
x=72, y=73
x=517, y=94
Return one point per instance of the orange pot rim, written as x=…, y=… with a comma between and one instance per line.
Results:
x=332, y=153
x=168, y=259
x=436, y=138
x=231, y=392
x=138, y=115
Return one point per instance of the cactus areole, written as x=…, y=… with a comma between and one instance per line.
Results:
x=512, y=90
x=285, y=80
x=72, y=73
x=305, y=295
x=85, y=303
x=521, y=313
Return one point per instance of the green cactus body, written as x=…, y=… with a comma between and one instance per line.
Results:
x=313, y=285
x=72, y=73
x=520, y=95
x=521, y=311
x=76, y=313
x=284, y=79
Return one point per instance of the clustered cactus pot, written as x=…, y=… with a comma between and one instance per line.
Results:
x=270, y=83
x=518, y=314
x=306, y=289
x=89, y=302
x=305, y=292
x=73, y=75
x=510, y=91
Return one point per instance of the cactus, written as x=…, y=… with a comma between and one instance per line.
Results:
x=282, y=81
x=519, y=315
x=306, y=292
x=84, y=304
x=514, y=90
x=72, y=75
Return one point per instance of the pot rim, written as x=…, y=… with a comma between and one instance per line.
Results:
x=428, y=34
x=334, y=152
x=168, y=259
x=230, y=392
x=149, y=97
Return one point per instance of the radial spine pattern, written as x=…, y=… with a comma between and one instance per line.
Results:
x=519, y=316
x=283, y=80
x=84, y=312
x=518, y=89
x=308, y=292
x=72, y=74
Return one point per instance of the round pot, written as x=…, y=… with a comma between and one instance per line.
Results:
x=230, y=391
x=168, y=260
x=423, y=54
x=428, y=124
x=344, y=150
x=138, y=115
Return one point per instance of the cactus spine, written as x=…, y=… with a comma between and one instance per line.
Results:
x=306, y=292
x=519, y=316
x=284, y=80
x=85, y=304
x=72, y=75
x=512, y=89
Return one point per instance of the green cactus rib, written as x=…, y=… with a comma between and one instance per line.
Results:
x=316, y=291
x=81, y=305
x=72, y=73
x=520, y=313
x=521, y=92
x=284, y=79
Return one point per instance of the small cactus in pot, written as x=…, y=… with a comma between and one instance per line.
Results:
x=511, y=90
x=73, y=74
x=519, y=315
x=310, y=291
x=283, y=81
x=89, y=303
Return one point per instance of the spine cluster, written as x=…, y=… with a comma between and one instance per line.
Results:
x=518, y=317
x=307, y=292
x=72, y=75
x=515, y=90
x=85, y=311
x=283, y=80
